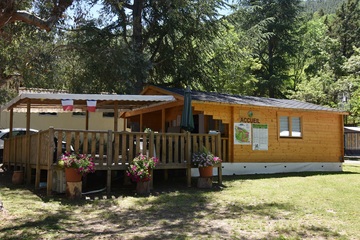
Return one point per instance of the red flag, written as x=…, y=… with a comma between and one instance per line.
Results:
x=91, y=105
x=67, y=104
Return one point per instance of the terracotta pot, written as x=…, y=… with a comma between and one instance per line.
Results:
x=72, y=175
x=206, y=171
x=143, y=187
x=18, y=177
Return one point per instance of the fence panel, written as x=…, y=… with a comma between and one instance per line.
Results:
x=352, y=144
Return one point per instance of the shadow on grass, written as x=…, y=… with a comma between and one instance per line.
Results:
x=173, y=211
x=285, y=175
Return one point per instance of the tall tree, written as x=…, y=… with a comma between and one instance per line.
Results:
x=131, y=44
x=346, y=27
x=166, y=40
x=276, y=41
x=351, y=86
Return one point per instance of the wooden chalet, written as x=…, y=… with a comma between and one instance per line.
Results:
x=251, y=134
x=258, y=135
x=112, y=150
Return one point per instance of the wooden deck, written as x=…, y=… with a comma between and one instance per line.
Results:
x=110, y=150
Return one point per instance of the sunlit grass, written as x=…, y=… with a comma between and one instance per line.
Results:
x=281, y=206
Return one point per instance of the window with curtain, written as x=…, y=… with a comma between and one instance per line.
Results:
x=290, y=127
x=295, y=127
x=284, y=126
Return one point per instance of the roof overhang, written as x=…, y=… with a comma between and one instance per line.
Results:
x=352, y=129
x=45, y=102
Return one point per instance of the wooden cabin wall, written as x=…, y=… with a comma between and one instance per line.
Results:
x=173, y=113
x=152, y=120
x=321, y=141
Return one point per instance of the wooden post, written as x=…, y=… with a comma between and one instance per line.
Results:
x=87, y=120
x=163, y=120
x=28, y=144
x=50, y=161
x=11, y=121
x=116, y=116
x=124, y=124
x=342, y=139
x=12, y=157
x=188, y=158
x=37, y=170
x=204, y=182
x=73, y=190
x=109, y=161
x=231, y=136
x=141, y=122
x=218, y=153
x=151, y=154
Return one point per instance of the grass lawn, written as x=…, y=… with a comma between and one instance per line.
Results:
x=282, y=206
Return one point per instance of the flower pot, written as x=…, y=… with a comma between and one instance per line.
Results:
x=18, y=177
x=72, y=175
x=143, y=187
x=206, y=171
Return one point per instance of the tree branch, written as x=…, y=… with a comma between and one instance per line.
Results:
x=8, y=14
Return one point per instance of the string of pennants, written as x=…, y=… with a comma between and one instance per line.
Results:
x=68, y=105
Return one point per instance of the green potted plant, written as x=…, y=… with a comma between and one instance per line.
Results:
x=139, y=171
x=205, y=160
x=76, y=165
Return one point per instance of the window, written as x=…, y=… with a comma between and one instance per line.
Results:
x=48, y=114
x=78, y=114
x=290, y=126
x=295, y=127
x=108, y=114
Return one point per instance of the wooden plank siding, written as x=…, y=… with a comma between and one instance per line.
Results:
x=321, y=139
x=110, y=150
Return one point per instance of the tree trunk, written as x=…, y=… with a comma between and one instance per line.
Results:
x=138, y=44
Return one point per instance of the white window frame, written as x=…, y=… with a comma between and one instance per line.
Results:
x=290, y=126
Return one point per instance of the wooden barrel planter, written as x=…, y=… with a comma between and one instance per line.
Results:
x=73, y=183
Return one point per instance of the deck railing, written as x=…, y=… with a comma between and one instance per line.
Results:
x=110, y=150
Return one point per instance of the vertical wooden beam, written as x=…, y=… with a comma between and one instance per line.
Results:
x=37, y=170
x=188, y=158
x=231, y=135
x=50, y=161
x=218, y=153
x=219, y=174
x=218, y=145
x=87, y=120
x=124, y=124
x=141, y=122
x=151, y=154
x=109, y=162
x=116, y=116
x=28, y=144
x=12, y=157
x=342, y=139
x=28, y=117
x=11, y=123
x=163, y=120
